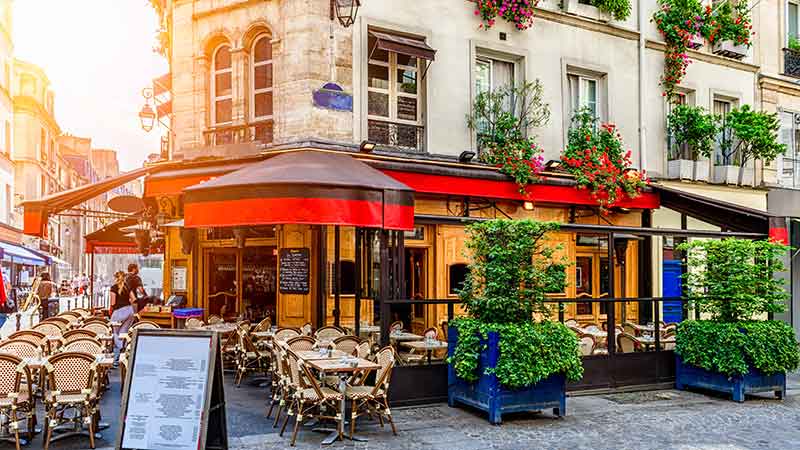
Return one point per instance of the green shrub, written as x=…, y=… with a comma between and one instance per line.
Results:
x=619, y=9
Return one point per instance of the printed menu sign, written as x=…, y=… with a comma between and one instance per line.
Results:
x=167, y=392
x=294, y=267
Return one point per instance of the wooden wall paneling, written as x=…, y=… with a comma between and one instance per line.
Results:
x=294, y=310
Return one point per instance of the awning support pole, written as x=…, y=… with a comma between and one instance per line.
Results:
x=359, y=261
x=321, y=271
x=91, y=283
x=384, y=287
x=611, y=312
x=337, y=279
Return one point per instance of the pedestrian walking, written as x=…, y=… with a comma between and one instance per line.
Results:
x=121, y=311
x=45, y=291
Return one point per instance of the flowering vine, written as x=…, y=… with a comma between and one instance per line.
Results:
x=595, y=157
x=518, y=12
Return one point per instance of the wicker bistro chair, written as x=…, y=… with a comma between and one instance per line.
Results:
x=48, y=329
x=30, y=336
x=310, y=400
x=62, y=323
x=329, y=333
x=396, y=326
x=367, y=400
x=280, y=383
x=627, y=342
x=72, y=316
x=301, y=343
x=307, y=329
x=212, y=319
x=248, y=357
x=20, y=348
x=71, y=386
x=193, y=323
x=284, y=334
x=84, y=345
x=144, y=325
x=91, y=320
x=264, y=325
x=98, y=328
x=72, y=335
x=16, y=402
x=587, y=345
x=347, y=344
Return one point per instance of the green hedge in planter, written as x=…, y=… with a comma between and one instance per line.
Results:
x=731, y=348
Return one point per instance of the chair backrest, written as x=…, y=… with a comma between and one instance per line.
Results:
x=593, y=327
x=194, y=323
x=571, y=322
x=83, y=312
x=284, y=334
x=92, y=320
x=20, y=348
x=60, y=321
x=586, y=345
x=293, y=364
x=329, y=333
x=71, y=335
x=347, y=344
x=99, y=328
x=245, y=343
x=301, y=343
x=626, y=342
x=71, y=316
x=71, y=372
x=364, y=350
x=307, y=329
x=145, y=325
x=48, y=328
x=212, y=319
x=28, y=335
x=384, y=358
x=432, y=333
x=396, y=326
x=84, y=345
x=264, y=325
x=11, y=377
x=629, y=328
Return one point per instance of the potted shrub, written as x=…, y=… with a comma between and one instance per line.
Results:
x=732, y=282
x=606, y=9
x=746, y=135
x=507, y=355
x=691, y=132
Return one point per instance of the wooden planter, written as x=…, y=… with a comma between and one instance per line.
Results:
x=487, y=394
x=730, y=49
x=738, y=386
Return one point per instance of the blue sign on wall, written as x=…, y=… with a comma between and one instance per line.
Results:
x=332, y=96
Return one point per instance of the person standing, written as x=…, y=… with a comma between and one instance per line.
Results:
x=121, y=311
x=135, y=287
x=45, y=292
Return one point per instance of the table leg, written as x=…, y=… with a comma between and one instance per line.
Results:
x=429, y=357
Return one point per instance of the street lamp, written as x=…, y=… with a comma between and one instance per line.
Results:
x=147, y=117
x=345, y=11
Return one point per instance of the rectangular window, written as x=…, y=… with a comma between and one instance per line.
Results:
x=493, y=75
x=789, y=175
x=677, y=151
x=792, y=17
x=723, y=146
x=394, y=98
x=584, y=92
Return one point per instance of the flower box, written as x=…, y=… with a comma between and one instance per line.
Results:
x=730, y=175
x=730, y=50
x=581, y=9
x=738, y=386
x=487, y=394
x=680, y=169
x=696, y=41
x=791, y=62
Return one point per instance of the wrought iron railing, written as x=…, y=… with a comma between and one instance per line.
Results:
x=400, y=136
x=238, y=134
x=791, y=62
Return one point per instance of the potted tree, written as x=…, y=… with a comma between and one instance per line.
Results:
x=691, y=131
x=508, y=355
x=732, y=282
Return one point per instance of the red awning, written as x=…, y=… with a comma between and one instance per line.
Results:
x=304, y=187
x=110, y=240
x=36, y=212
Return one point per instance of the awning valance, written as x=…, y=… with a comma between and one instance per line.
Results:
x=21, y=255
x=403, y=45
x=303, y=187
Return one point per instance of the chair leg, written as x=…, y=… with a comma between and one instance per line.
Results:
x=89, y=414
x=271, y=405
x=297, y=422
x=15, y=424
x=389, y=416
x=286, y=420
x=353, y=417
x=49, y=431
x=278, y=414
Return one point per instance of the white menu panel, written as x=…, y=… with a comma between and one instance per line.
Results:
x=167, y=393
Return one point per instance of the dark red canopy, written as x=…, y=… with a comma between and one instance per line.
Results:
x=304, y=187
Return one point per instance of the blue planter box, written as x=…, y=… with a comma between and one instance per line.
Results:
x=754, y=381
x=487, y=394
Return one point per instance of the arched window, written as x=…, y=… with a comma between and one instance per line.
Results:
x=261, y=87
x=221, y=86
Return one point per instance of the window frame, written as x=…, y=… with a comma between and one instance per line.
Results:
x=393, y=92
x=213, y=84
x=717, y=156
x=786, y=34
x=583, y=80
x=790, y=155
x=253, y=90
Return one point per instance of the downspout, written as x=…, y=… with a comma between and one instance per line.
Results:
x=642, y=85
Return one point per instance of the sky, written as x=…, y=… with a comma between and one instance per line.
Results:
x=98, y=55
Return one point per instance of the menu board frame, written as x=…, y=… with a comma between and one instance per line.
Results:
x=213, y=424
x=305, y=252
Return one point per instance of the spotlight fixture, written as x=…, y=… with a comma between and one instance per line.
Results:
x=527, y=206
x=366, y=146
x=466, y=156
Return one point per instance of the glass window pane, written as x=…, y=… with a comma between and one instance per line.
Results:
x=378, y=104
x=406, y=60
x=262, y=50
x=262, y=76
x=377, y=54
x=407, y=108
x=407, y=81
x=502, y=74
x=574, y=96
x=222, y=84
x=263, y=104
x=378, y=77
x=792, y=20
x=223, y=111
x=222, y=59
x=483, y=77
x=590, y=92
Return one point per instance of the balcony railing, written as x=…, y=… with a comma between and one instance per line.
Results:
x=791, y=62
x=403, y=137
x=239, y=134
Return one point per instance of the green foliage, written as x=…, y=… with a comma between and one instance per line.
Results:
x=731, y=348
x=734, y=279
x=504, y=119
x=756, y=134
x=529, y=351
x=618, y=9
x=794, y=43
x=729, y=22
x=511, y=271
x=694, y=127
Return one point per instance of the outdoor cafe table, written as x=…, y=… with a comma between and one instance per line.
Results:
x=427, y=346
x=648, y=341
x=343, y=370
x=312, y=355
x=405, y=336
x=223, y=328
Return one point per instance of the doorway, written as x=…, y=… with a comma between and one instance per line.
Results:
x=241, y=283
x=591, y=282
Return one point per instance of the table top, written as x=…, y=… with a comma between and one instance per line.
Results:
x=37, y=363
x=313, y=355
x=336, y=365
x=652, y=340
x=405, y=336
x=263, y=334
x=423, y=345
x=221, y=327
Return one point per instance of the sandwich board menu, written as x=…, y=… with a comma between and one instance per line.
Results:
x=173, y=397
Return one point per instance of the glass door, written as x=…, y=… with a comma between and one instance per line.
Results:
x=591, y=282
x=221, y=283
x=259, y=281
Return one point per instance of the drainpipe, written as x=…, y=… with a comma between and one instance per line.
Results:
x=642, y=127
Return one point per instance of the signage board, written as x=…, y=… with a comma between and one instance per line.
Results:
x=173, y=395
x=179, y=278
x=294, y=268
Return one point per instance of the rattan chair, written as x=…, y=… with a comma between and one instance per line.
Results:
x=212, y=319
x=347, y=344
x=144, y=325
x=16, y=402
x=62, y=323
x=91, y=320
x=248, y=357
x=280, y=384
x=71, y=316
x=396, y=326
x=630, y=329
x=48, y=329
x=586, y=344
x=363, y=350
x=284, y=334
x=72, y=386
x=310, y=400
x=264, y=325
x=307, y=329
x=194, y=323
x=84, y=345
x=329, y=333
x=30, y=336
x=301, y=343
x=99, y=328
x=80, y=333
x=367, y=400
x=20, y=348
x=627, y=343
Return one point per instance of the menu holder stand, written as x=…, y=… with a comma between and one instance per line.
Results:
x=212, y=426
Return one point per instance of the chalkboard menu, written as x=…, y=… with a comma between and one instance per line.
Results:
x=294, y=267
